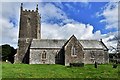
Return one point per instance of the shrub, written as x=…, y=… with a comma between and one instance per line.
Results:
x=77, y=64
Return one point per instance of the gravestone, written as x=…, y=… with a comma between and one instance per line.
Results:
x=95, y=64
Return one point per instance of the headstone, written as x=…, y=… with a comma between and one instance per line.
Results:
x=114, y=65
x=95, y=64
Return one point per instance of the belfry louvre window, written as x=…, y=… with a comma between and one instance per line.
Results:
x=44, y=55
x=73, y=51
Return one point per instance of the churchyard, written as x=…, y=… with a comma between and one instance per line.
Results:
x=58, y=71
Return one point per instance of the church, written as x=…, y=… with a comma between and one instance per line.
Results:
x=34, y=50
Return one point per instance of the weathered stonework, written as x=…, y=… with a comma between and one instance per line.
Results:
x=34, y=50
x=29, y=29
x=70, y=57
x=36, y=56
x=92, y=56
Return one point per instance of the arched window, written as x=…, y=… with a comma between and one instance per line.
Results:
x=44, y=55
x=73, y=51
x=83, y=55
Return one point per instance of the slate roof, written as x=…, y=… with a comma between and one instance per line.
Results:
x=47, y=43
x=55, y=43
x=92, y=44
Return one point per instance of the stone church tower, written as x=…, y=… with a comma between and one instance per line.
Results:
x=29, y=29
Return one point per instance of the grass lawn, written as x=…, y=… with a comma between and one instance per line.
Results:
x=57, y=71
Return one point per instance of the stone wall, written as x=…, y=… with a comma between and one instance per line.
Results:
x=93, y=55
x=106, y=57
x=29, y=24
x=78, y=50
x=23, y=50
x=36, y=56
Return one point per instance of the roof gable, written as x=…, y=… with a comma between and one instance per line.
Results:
x=72, y=41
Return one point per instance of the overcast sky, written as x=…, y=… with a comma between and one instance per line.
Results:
x=60, y=20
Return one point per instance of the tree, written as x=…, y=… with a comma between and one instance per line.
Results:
x=117, y=49
x=8, y=53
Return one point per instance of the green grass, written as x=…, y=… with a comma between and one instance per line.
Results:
x=57, y=71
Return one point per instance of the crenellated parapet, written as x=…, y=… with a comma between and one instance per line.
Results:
x=29, y=11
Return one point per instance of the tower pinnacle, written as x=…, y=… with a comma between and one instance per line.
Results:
x=37, y=7
x=21, y=6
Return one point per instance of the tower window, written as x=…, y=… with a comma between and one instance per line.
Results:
x=44, y=55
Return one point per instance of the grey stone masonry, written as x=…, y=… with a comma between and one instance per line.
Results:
x=29, y=29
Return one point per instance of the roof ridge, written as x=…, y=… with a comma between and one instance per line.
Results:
x=88, y=40
x=49, y=39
